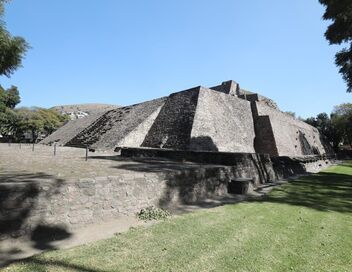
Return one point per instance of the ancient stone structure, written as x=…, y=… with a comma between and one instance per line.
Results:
x=182, y=149
x=222, y=118
x=41, y=200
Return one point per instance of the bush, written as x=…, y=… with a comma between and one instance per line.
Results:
x=153, y=213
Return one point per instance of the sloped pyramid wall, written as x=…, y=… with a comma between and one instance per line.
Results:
x=172, y=128
x=288, y=136
x=67, y=132
x=224, y=118
x=110, y=129
x=205, y=120
x=223, y=123
x=132, y=127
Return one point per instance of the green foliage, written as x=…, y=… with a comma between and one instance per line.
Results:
x=153, y=213
x=340, y=32
x=38, y=120
x=325, y=125
x=8, y=121
x=342, y=120
x=16, y=122
x=338, y=127
x=10, y=97
x=12, y=49
x=8, y=100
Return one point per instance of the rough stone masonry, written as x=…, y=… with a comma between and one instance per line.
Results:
x=226, y=132
x=222, y=118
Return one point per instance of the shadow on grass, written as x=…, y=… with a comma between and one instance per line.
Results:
x=35, y=264
x=323, y=192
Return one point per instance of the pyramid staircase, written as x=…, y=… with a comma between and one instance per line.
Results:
x=103, y=124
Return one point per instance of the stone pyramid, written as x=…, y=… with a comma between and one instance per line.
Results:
x=222, y=118
x=203, y=119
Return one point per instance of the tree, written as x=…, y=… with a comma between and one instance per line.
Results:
x=342, y=119
x=52, y=120
x=15, y=122
x=8, y=121
x=327, y=128
x=337, y=127
x=10, y=97
x=38, y=120
x=8, y=100
x=340, y=32
x=12, y=49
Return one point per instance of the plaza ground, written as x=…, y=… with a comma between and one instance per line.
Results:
x=304, y=225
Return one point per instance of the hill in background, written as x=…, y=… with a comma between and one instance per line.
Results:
x=81, y=110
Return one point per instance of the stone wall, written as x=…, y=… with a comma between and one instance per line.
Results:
x=71, y=129
x=229, y=87
x=133, y=127
x=111, y=128
x=292, y=137
x=172, y=128
x=136, y=137
x=286, y=167
x=222, y=118
x=66, y=204
x=246, y=165
x=222, y=123
x=73, y=204
x=264, y=141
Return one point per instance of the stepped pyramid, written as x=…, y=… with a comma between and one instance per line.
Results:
x=222, y=118
x=119, y=127
x=204, y=119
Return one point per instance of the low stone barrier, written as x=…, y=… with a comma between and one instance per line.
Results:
x=72, y=204
x=286, y=167
x=64, y=204
x=252, y=165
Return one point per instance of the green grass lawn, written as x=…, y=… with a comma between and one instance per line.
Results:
x=305, y=225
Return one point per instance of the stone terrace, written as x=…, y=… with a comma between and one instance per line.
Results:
x=38, y=189
x=69, y=163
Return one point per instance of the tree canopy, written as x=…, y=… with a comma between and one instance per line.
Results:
x=38, y=120
x=12, y=48
x=8, y=100
x=337, y=127
x=342, y=118
x=340, y=32
x=15, y=122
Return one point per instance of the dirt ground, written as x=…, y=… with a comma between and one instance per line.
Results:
x=70, y=163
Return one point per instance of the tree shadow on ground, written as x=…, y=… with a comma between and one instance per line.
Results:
x=37, y=263
x=19, y=196
x=323, y=192
x=43, y=235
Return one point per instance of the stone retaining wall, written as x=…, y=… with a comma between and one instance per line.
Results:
x=249, y=165
x=24, y=206
x=286, y=167
x=73, y=204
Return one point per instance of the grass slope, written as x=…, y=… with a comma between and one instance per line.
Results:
x=305, y=225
